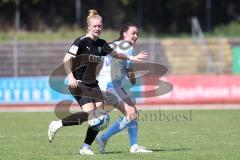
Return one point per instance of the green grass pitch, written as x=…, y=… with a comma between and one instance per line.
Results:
x=173, y=135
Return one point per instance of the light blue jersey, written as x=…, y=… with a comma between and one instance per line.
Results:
x=114, y=70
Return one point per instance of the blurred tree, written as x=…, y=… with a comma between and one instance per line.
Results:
x=180, y=13
x=165, y=16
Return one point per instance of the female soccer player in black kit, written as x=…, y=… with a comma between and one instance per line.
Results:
x=80, y=63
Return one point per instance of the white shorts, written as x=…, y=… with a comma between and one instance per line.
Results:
x=115, y=96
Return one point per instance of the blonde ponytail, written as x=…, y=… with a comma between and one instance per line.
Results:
x=92, y=13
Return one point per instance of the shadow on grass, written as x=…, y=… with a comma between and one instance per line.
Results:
x=114, y=152
x=171, y=149
x=106, y=153
x=154, y=150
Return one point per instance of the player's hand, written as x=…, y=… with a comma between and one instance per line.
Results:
x=73, y=83
x=138, y=58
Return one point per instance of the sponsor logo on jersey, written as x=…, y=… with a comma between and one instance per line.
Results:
x=95, y=59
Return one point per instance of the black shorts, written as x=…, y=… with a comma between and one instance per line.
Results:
x=87, y=93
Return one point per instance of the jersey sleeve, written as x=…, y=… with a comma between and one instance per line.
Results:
x=75, y=48
x=107, y=49
x=131, y=52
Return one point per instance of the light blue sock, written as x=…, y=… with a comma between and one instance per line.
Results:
x=116, y=127
x=133, y=132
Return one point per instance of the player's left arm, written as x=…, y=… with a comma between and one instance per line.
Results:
x=129, y=67
x=131, y=76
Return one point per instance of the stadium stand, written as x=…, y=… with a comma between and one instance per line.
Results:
x=180, y=56
x=187, y=57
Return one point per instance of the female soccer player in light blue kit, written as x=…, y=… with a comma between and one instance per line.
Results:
x=110, y=78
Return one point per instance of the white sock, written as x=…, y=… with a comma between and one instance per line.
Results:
x=59, y=124
x=85, y=145
x=135, y=146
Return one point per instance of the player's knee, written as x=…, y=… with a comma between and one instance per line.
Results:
x=131, y=113
x=132, y=116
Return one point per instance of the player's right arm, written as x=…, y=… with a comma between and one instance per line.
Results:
x=137, y=58
x=67, y=66
x=67, y=61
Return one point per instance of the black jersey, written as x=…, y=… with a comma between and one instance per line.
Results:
x=87, y=55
